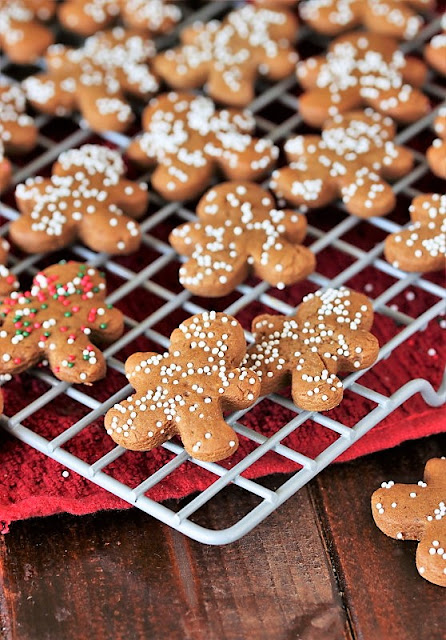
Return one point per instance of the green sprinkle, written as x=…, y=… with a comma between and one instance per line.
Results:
x=103, y=325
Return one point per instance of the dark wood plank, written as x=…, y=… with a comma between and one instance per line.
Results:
x=123, y=575
x=387, y=599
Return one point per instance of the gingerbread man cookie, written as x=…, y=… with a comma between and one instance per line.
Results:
x=8, y=281
x=187, y=138
x=417, y=512
x=436, y=154
x=60, y=319
x=95, y=79
x=362, y=69
x=22, y=36
x=86, y=17
x=396, y=18
x=228, y=56
x=239, y=230
x=18, y=133
x=86, y=198
x=185, y=391
x=352, y=159
x=328, y=334
x=422, y=245
x=435, y=51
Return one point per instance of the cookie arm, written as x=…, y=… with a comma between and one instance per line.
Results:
x=242, y=157
x=34, y=41
x=132, y=197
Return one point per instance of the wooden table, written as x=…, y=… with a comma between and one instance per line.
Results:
x=317, y=569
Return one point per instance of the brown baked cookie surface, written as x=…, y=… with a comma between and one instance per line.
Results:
x=185, y=391
x=435, y=51
x=352, y=159
x=436, y=154
x=227, y=56
x=187, y=139
x=422, y=245
x=95, y=79
x=18, y=133
x=22, y=36
x=362, y=69
x=86, y=17
x=60, y=319
x=328, y=334
x=417, y=512
x=396, y=18
x=8, y=281
x=240, y=230
x=87, y=198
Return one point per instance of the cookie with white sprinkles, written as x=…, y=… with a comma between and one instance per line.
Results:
x=436, y=154
x=185, y=391
x=23, y=37
x=87, y=198
x=8, y=281
x=187, y=138
x=227, y=56
x=238, y=230
x=328, y=334
x=60, y=319
x=422, y=245
x=435, y=51
x=352, y=159
x=398, y=19
x=96, y=79
x=86, y=17
x=417, y=512
x=362, y=69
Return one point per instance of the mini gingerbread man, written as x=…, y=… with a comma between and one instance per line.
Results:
x=88, y=198
x=436, y=154
x=22, y=36
x=8, y=281
x=187, y=138
x=18, y=133
x=60, y=319
x=422, y=245
x=435, y=51
x=328, y=334
x=88, y=16
x=358, y=70
x=352, y=159
x=227, y=56
x=417, y=512
x=185, y=391
x=95, y=79
x=240, y=229
x=396, y=18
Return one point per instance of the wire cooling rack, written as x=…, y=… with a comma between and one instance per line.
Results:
x=272, y=99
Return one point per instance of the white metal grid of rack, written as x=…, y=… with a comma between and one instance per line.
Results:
x=270, y=98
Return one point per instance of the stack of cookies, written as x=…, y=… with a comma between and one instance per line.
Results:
x=179, y=117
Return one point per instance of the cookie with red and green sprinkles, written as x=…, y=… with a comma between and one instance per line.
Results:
x=64, y=320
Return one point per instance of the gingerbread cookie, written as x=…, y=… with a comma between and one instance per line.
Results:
x=60, y=319
x=228, y=56
x=436, y=154
x=362, y=70
x=18, y=133
x=396, y=18
x=185, y=391
x=8, y=281
x=352, y=160
x=422, y=245
x=86, y=198
x=238, y=230
x=95, y=79
x=435, y=51
x=417, y=512
x=86, y=17
x=22, y=36
x=186, y=137
x=328, y=334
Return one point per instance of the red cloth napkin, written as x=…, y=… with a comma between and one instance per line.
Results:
x=33, y=485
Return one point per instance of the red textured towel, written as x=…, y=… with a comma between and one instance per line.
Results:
x=33, y=485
